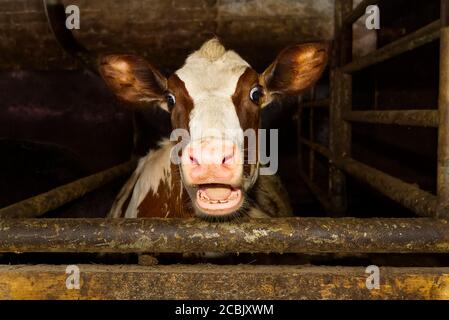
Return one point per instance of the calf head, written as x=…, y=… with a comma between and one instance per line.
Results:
x=215, y=97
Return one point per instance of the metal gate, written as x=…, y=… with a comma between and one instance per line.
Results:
x=21, y=231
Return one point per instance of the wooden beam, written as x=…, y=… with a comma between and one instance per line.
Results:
x=220, y=282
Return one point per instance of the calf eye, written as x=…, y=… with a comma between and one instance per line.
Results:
x=171, y=100
x=255, y=94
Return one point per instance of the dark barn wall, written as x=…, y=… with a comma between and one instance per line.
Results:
x=89, y=130
x=163, y=31
x=56, y=127
x=71, y=126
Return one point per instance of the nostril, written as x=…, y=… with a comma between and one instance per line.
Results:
x=194, y=160
x=228, y=159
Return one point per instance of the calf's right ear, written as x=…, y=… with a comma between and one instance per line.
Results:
x=133, y=80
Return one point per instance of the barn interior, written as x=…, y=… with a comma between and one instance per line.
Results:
x=59, y=123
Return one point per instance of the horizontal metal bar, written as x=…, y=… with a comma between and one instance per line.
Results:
x=45, y=202
x=324, y=151
x=321, y=195
x=294, y=235
x=214, y=282
x=323, y=103
x=409, y=195
x=359, y=11
x=419, y=118
x=409, y=42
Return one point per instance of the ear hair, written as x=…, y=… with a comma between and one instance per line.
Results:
x=296, y=68
x=133, y=79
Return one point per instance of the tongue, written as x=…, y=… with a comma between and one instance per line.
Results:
x=218, y=193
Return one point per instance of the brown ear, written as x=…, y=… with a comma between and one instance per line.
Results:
x=133, y=79
x=296, y=68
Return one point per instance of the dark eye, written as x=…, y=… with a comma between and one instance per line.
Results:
x=255, y=94
x=171, y=100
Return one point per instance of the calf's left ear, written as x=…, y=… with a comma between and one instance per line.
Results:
x=296, y=68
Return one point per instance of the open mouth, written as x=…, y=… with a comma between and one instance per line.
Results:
x=218, y=199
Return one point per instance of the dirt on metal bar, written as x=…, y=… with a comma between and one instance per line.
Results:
x=409, y=195
x=409, y=42
x=420, y=118
x=283, y=235
x=221, y=282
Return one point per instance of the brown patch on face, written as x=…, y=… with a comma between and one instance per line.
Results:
x=168, y=202
x=247, y=111
x=184, y=103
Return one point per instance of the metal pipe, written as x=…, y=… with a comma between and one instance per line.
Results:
x=409, y=42
x=311, y=151
x=443, y=134
x=340, y=102
x=409, y=195
x=282, y=235
x=323, y=103
x=53, y=199
x=419, y=118
x=324, y=151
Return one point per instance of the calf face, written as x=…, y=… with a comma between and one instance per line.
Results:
x=215, y=97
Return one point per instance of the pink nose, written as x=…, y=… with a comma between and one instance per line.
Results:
x=211, y=161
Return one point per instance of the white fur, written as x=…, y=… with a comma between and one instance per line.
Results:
x=152, y=170
x=210, y=76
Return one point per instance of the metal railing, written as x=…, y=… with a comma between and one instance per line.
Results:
x=421, y=202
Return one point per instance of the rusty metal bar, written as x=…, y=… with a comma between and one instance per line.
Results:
x=213, y=282
x=409, y=195
x=322, y=103
x=359, y=11
x=443, y=134
x=420, y=118
x=409, y=42
x=283, y=235
x=53, y=199
x=311, y=151
x=324, y=151
x=340, y=102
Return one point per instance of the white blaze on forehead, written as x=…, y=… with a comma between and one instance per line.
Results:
x=211, y=75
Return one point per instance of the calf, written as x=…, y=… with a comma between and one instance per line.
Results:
x=215, y=97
